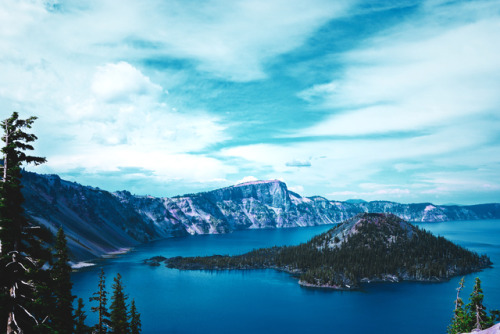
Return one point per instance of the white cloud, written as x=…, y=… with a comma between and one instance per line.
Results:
x=85, y=71
x=297, y=189
x=98, y=111
x=234, y=39
x=353, y=164
x=15, y=16
x=120, y=82
x=415, y=75
x=247, y=179
x=80, y=68
x=370, y=195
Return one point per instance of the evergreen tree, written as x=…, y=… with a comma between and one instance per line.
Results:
x=478, y=318
x=63, y=321
x=135, y=319
x=21, y=253
x=473, y=316
x=119, y=316
x=101, y=297
x=460, y=318
x=80, y=327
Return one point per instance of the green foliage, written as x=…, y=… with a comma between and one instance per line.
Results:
x=473, y=315
x=63, y=321
x=100, y=296
x=24, y=284
x=459, y=321
x=475, y=307
x=119, y=314
x=13, y=223
x=135, y=319
x=80, y=327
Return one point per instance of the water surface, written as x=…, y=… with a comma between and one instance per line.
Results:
x=267, y=301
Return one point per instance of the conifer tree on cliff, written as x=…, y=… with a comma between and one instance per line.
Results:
x=101, y=298
x=459, y=321
x=20, y=252
x=119, y=314
x=61, y=275
x=473, y=317
x=135, y=319
x=478, y=318
x=80, y=327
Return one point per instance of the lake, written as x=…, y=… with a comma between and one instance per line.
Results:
x=267, y=301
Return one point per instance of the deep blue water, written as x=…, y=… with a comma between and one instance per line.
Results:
x=267, y=301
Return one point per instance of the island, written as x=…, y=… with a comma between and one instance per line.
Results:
x=367, y=248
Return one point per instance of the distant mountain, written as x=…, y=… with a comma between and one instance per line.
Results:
x=99, y=222
x=356, y=201
x=368, y=247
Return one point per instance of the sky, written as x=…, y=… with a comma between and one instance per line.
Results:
x=374, y=100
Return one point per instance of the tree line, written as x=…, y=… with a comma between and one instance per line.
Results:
x=35, y=274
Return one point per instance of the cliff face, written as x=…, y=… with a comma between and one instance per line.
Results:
x=99, y=222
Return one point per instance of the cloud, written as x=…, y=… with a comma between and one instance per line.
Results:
x=391, y=103
x=247, y=179
x=231, y=40
x=235, y=39
x=297, y=163
x=297, y=189
x=426, y=72
x=391, y=191
x=120, y=82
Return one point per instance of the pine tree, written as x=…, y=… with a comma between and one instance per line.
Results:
x=63, y=321
x=80, y=327
x=459, y=323
x=135, y=319
x=21, y=253
x=118, y=308
x=101, y=297
x=473, y=316
x=478, y=318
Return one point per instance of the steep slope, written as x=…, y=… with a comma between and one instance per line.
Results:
x=98, y=222
x=368, y=247
x=95, y=221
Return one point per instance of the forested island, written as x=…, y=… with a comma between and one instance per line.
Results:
x=368, y=247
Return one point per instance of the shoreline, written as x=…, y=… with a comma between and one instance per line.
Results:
x=385, y=278
x=76, y=266
x=113, y=254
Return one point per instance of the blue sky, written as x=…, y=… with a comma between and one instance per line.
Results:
x=379, y=100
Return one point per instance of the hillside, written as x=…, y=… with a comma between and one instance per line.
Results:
x=368, y=247
x=99, y=222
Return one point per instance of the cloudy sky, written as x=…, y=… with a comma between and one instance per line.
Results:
x=379, y=100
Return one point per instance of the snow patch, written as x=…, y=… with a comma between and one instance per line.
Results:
x=429, y=208
x=117, y=252
x=80, y=265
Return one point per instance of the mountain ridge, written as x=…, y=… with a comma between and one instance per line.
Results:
x=99, y=222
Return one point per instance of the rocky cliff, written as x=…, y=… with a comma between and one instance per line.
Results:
x=99, y=222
